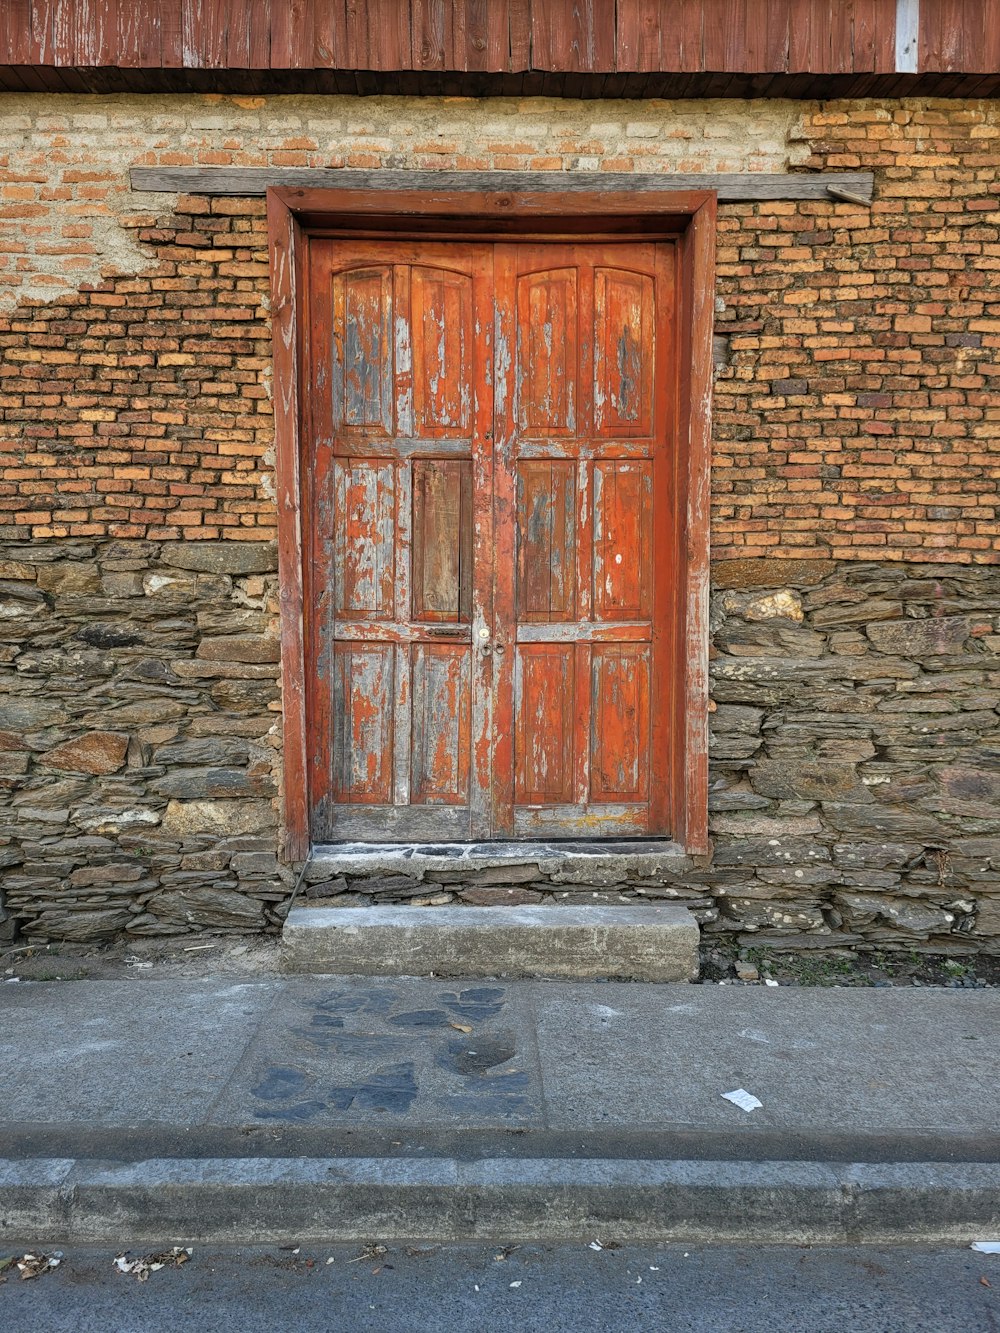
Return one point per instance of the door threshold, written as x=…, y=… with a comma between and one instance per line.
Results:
x=646, y=856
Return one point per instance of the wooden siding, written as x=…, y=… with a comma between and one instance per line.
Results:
x=496, y=37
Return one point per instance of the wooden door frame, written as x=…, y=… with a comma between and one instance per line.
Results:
x=493, y=214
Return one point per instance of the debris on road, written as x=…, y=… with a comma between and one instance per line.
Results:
x=986, y=1246
x=34, y=1265
x=141, y=1268
x=370, y=1251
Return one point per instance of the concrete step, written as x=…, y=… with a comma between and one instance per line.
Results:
x=647, y=943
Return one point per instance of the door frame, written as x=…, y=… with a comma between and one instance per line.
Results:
x=486, y=211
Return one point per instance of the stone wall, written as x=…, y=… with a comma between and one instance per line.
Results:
x=855, y=776
x=139, y=738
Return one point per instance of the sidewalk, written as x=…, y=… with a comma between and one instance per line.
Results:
x=325, y=1107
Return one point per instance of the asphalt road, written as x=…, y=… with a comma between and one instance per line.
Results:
x=493, y=1288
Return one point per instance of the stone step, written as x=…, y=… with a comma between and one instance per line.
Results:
x=647, y=943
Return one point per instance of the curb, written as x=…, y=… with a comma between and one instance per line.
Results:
x=278, y=1200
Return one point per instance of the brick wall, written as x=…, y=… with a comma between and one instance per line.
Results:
x=855, y=417
x=859, y=417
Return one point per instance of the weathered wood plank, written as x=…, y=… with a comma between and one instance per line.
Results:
x=776, y=36
x=16, y=46
x=39, y=24
x=330, y=35
x=569, y=821
x=530, y=38
x=286, y=261
x=399, y=823
x=484, y=549
x=172, y=37
x=731, y=187
x=432, y=34
x=520, y=35
x=139, y=35
x=581, y=631
x=695, y=428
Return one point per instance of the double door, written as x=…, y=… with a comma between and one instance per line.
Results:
x=491, y=595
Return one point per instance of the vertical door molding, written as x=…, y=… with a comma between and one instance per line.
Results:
x=287, y=245
x=697, y=320
x=497, y=215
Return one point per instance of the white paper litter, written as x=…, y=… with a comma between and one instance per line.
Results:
x=514, y=1286
x=768, y=981
x=986, y=1246
x=746, y=1101
x=595, y=1245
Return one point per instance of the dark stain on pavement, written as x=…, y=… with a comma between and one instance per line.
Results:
x=280, y=1081
x=420, y=1018
x=476, y=1003
x=389, y=1089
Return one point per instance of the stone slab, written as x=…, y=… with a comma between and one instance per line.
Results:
x=639, y=943
x=652, y=856
x=909, y=1062
x=97, y=1053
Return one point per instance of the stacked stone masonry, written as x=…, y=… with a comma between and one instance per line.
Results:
x=855, y=786
x=139, y=738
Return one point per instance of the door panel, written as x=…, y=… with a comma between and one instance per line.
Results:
x=623, y=540
x=400, y=425
x=544, y=687
x=442, y=717
x=491, y=592
x=442, y=540
x=585, y=605
x=362, y=698
x=364, y=564
x=546, y=386
x=546, y=548
x=624, y=353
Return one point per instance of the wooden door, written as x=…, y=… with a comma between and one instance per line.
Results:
x=492, y=601
x=401, y=424
x=586, y=539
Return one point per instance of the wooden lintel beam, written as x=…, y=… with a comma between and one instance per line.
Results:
x=735, y=187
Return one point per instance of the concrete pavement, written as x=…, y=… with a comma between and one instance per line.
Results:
x=339, y=1108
